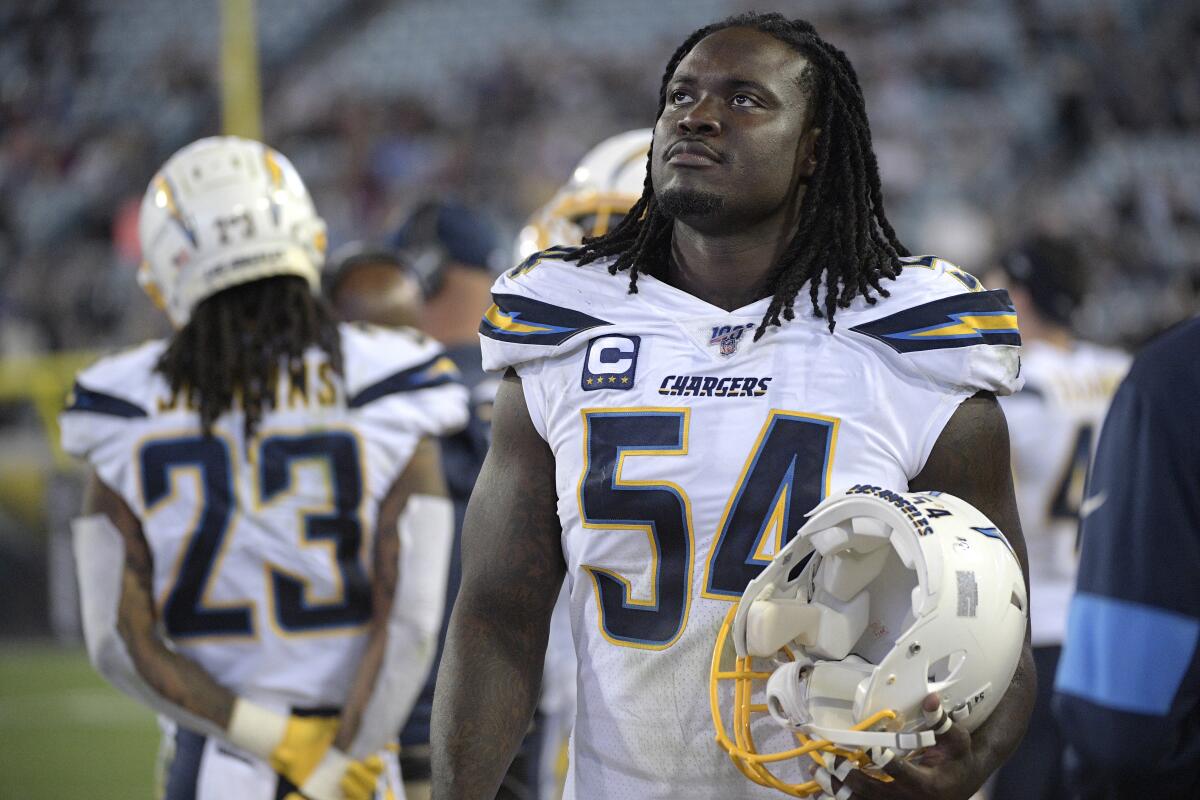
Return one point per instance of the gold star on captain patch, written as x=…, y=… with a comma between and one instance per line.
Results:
x=612, y=379
x=625, y=379
x=588, y=381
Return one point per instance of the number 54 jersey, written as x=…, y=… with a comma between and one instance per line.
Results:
x=260, y=547
x=687, y=454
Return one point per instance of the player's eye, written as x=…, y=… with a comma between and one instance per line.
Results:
x=744, y=100
x=679, y=97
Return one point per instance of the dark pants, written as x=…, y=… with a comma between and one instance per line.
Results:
x=1035, y=770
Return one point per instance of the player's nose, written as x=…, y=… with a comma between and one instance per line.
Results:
x=703, y=118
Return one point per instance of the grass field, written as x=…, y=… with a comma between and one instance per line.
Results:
x=65, y=733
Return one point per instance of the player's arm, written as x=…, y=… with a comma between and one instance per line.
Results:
x=407, y=604
x=970, y=460
x=127, y=648
x=490, y=674
x=176, y=679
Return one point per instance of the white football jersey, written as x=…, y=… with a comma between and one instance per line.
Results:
x=261, y=547
x=687, y=454
x=1053, y=424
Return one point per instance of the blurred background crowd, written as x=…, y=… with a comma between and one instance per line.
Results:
x=990, y=118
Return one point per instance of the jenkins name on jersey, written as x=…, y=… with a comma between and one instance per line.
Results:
x=259, y=546
x=686, y=456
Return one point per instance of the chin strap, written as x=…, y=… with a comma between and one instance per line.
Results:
x=868, y=740
x=880, y=747
x=940, y=721
x=834, y=767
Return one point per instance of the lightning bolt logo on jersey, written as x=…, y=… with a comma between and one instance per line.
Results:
x=676, y=491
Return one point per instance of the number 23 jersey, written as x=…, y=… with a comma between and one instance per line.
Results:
x=261, y=548
x=687, y=454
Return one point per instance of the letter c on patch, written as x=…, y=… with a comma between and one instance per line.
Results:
x=611, y=355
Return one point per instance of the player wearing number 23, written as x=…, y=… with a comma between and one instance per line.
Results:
x=259, y=479
x=662, y=431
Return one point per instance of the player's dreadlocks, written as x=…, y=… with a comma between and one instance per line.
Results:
x=843, y=231
x=233, y=348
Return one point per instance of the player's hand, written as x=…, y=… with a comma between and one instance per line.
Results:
x=301, y=750
x=949, y=770
x=361, y=778
x=306, y=742
x=338, y=777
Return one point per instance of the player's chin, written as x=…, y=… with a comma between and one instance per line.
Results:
x=691, y=201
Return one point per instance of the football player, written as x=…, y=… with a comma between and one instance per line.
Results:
x=1055, y=420
x=680, y=392
x=254, y=480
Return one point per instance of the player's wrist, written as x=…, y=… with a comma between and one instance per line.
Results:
x=256, y=729
x=325, y=781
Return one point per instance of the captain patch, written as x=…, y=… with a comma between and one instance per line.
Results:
x=610, y=363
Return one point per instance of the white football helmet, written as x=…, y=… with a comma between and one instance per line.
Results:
x=223, y=211
x=879, y=600
x=607, y=183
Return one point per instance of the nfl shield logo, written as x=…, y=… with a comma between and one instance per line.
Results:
x=727, y=337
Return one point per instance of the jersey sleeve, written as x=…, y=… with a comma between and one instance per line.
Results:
x=942, y=325
x=403, y=379
x=106, y=409
x=539, y=309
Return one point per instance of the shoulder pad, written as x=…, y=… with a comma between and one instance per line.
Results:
x=120, y=385
x=383, y=361
x=543, y=305
x=940, y=323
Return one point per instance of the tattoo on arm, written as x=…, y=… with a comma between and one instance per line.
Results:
x=173, y=676
x=512, y=568
x=971, y=460
x=422, y=475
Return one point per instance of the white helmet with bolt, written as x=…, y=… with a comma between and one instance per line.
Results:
x=224, y=211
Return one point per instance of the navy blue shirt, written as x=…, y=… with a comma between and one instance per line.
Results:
x=1127, y=693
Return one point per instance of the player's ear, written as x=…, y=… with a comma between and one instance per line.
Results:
x=808, y=152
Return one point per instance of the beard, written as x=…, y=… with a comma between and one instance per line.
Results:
x=690, y=203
